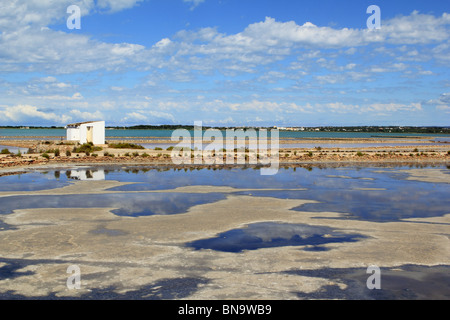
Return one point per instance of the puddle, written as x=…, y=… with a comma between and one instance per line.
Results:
x=14, y=150
x=134, y=205
x=271, y=234
x=367, y=193
x=33, y=181
x=406, y=282
x=369, y=204
x=247, y=178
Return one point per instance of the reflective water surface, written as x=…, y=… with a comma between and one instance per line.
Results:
x=367, y=193
x=271, y=234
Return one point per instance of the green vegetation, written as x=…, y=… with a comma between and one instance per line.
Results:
x=125, y=145
x=359, y=154
x=45, y=155
x=63, y=143
x=5, y=151
x=86, y=148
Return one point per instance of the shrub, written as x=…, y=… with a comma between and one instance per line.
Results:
x=46, y=156
x=68, y=153
x=95, y=155
x=86, y=148
x=135, y=154
x=125, y=145
x=57, y=152
x=5, y=151
x=310, y=154
x=145, y=155
x=158, y=148
x=170, y=148
x=359, y=154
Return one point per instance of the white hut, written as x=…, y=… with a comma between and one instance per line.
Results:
x=84, y=132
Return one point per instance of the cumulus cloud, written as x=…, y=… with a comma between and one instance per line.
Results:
x=205, y=50
x=85, y=115
x=30, y=113
x=304, y=55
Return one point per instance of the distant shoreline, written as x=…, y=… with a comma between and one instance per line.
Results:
x=296, y=152
x=337, y=129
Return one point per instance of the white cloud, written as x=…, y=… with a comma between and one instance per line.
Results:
x=75, y=96
x=135, y=116
x=31, y=113
x=79, y=115
x=393, y=107
x=56, y=52
x=443, y=107
x=194, y=3
x=206, y=50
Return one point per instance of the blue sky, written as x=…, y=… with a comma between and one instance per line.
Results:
x=225, y=63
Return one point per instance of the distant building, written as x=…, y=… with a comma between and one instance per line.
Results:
x=84, y=132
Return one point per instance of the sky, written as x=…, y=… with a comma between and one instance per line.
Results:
x=225, y=62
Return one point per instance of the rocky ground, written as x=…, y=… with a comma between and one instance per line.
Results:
x=44, y=153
